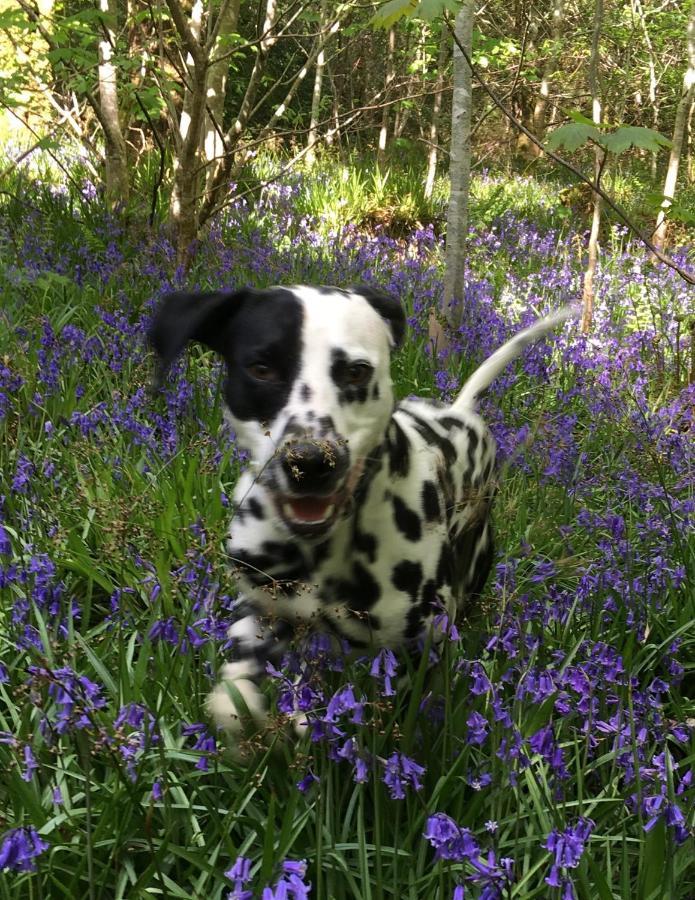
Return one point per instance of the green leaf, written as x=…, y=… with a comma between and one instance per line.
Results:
x=15, y=18
x=390, y=13
x=571, y=137
x=652, y=860
x=576, y=116
x=432, y=9
x=634, y=136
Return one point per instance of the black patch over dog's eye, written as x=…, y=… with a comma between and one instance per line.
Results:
x=263, y=372
x=358, y=374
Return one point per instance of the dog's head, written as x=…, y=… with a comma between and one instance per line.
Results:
x=308, y=385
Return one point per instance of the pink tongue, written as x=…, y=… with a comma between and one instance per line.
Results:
x=310, y=509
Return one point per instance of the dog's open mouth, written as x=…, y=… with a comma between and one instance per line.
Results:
x=315, y=514
x=310, y=514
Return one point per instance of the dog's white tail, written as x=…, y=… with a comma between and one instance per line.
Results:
x=483, y=376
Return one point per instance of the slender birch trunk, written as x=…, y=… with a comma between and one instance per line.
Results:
x=459, y=176
x=596, y=112
x=679, y=127
x=540, y=111
x=432, y=154
x=116, y=178
x=312, y=137
x=390, y=75
x=638, y=11
x=184, y=206
x=218, y=69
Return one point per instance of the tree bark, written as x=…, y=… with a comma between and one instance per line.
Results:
x=218, y=69
x=183, y=208
x=390, y=75
x=459, y=177
x=432, y=155
x=594, y=89
x=679, y=127
x=312, y=136
x=540, y=111
x=638, y=10
x=116, y=180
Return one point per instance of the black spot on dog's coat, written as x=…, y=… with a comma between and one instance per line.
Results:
x=407, y=577
x=407, y=520
x=398, y=450
x=366, y=543
x=430, y=501
x=361, y=592
x=255, y=507
x=433, y=438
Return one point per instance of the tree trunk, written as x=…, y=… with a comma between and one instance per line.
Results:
x=638, y=11
x=218, y=69
x=679, y=127
x=594, y=89
x=540, y=111
x=116, y=178
x=442, y=59
x=219, y=176
x=312, y=137
x=459, y=176
x=390, y=74
x=183, y=208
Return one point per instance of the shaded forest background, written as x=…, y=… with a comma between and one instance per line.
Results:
x=166, y=105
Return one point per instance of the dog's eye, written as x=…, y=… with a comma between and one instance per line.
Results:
x=262, y=372
x=358, y=374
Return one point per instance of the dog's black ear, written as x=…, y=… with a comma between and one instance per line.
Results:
x=183, y=317
x=388, y=307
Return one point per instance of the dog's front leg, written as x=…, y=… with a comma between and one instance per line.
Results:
x=237, y=703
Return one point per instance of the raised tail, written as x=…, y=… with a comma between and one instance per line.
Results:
x=494, y=365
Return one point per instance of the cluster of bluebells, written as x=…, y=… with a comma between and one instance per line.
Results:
x=290, y=884
x=19, y=849
x=338, y=720
x=567, y=847
x=456, y=844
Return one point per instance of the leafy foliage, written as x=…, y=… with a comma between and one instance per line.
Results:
x=576, y=135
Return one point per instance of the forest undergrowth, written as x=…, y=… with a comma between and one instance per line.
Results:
x=549, y=753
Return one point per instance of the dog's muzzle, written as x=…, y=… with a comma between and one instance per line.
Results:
x=316, y=484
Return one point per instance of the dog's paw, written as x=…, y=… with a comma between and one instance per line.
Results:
x=236, y=703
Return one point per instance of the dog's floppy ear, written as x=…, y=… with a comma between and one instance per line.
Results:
x=183, y=317
x=388, y=307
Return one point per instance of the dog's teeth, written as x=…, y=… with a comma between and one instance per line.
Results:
x=291, y=513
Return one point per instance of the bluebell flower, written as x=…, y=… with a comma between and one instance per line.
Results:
x=449, y=840
x=30, y=764
x=385, y=664
x=567, y=848
x=240, y=874
x=20, y=848
x=399, y=772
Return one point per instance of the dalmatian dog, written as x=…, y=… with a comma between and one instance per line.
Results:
x=357, y=516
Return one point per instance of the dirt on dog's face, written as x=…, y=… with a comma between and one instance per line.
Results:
x=309, y=396
x=308, y=387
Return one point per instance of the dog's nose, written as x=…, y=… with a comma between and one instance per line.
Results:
x=314, y=467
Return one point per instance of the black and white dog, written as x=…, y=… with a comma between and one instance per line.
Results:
x=356, y=516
